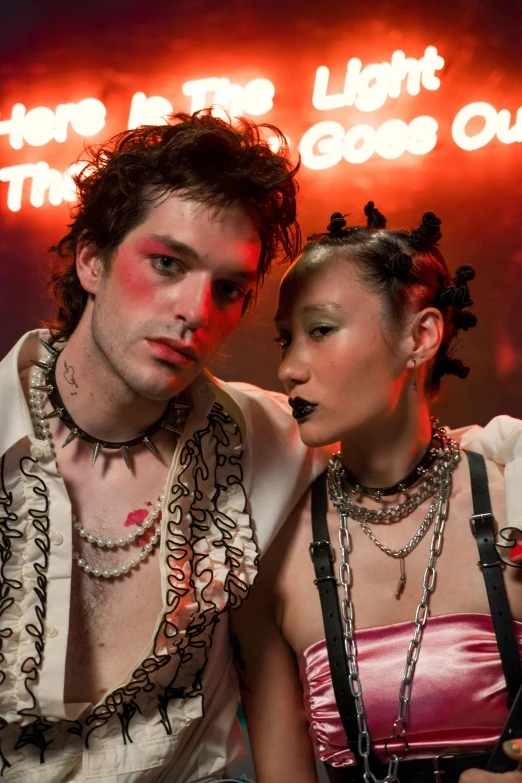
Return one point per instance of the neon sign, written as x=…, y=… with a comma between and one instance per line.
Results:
x=327, y=143
x=59, y=187
x=368, y=88
x=494, y=124
x=41, y=125
x=255, y=98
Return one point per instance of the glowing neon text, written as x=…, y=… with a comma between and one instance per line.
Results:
x=327, y=143
x=493, y=124
x=41, y=125
x=44, y=180
x=368, y=88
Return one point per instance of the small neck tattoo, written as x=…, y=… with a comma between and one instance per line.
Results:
x=44, y=381
x=69, y=374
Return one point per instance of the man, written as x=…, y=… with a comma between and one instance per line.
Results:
x=136, y=491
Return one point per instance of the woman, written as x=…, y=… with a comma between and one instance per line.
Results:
x=368, y=320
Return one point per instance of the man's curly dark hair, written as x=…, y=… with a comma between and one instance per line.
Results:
x=207, y=159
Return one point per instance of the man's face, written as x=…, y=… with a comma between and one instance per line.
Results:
x=173, y=292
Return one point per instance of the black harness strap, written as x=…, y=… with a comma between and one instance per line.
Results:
x=483, y=527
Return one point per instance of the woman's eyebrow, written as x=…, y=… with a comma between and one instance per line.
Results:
x=321, y=306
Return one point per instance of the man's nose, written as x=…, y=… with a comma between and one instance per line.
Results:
x=194, y=302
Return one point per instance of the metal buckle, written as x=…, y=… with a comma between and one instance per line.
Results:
x=437, y=772
x=481, y=516
x=319, y=545
x=489, y=565
x=325, y=579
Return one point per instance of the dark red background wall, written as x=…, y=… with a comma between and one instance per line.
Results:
x=53, y=53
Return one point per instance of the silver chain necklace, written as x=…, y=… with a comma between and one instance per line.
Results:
x=390, y=514
x=398, y=734
x=448, y=455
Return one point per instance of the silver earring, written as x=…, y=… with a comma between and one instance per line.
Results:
x=415, y=373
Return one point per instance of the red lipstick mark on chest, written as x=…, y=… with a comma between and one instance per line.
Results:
x=136, y=518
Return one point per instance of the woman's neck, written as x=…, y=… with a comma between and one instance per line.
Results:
x=98, y=400
x=383, y=453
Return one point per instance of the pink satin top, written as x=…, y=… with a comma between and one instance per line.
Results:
x=458, y=696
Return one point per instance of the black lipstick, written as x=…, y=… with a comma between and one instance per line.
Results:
x=301, y=408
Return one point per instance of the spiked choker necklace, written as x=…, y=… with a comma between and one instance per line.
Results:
x=422, y=468
x=172, y=419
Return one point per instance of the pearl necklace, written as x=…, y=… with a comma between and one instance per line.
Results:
x=42, y=432
x=110, y=543
x=91, y=538
x=114, y=573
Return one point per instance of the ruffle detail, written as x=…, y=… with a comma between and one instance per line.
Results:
x=212, y=556
x=211, y=561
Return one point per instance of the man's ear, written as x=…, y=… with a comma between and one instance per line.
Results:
x=89, y=266
x=427, y=331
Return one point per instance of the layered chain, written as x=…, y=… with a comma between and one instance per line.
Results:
x=447, y=453
x=398, y=735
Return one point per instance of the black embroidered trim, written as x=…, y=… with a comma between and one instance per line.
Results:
x=205, y=617
x=5, y=763
x=507, y=535
x=140, y=681
x=164, y=698
x=129, y=709
x=33, y=734
x=6, y=585
x=40, y=519
x=201, y=626
x=76, y=729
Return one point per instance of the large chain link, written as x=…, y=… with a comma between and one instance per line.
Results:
x=398, y=734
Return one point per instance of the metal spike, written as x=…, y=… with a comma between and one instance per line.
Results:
x=70, y=437
x=41, y=365
x=49, y=348
x=47, y=388
x=53, y=414
x=176, y=404
x=172, y=427
x=97, y=450
x=125, y=454
x=152, y=447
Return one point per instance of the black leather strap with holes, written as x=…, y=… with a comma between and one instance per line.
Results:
x=322, y=557
x=483, y=528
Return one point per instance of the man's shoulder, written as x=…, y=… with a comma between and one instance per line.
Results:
x=261, y=408
x=500, y=440
x=249, y=395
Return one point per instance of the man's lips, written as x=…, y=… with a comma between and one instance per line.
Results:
x=173, y=351
x=301, y=408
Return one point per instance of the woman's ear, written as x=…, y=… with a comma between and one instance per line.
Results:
x=89, y=266
x=427, y=331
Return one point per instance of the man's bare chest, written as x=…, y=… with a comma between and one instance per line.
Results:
x=117, y=521
x=111, y=628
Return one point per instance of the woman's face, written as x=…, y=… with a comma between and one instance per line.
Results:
x=343, y=377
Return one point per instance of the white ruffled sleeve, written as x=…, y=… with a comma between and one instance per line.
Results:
x=500, y=441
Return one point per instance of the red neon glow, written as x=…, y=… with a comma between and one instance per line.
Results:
x=367, y=88
x=327, y=143
x=494, y=124
x=323, y=145
x=41, y=125
x=254, y=98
